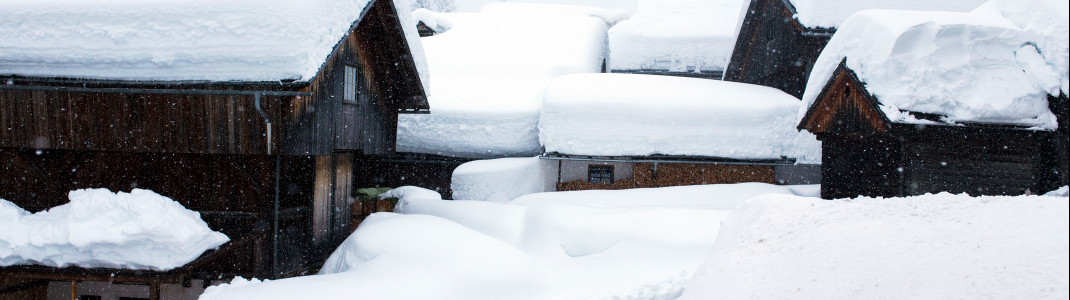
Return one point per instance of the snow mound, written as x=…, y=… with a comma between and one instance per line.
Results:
x=101, y=229
x=939, y=246
x=489, y=73
x=832, y=13
x=1047, y=24
x=963, y=66
x=502, y=179
x=629, y=114
x=676, y=35
x=393, y=256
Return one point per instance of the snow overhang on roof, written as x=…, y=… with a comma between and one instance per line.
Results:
x=177, y=40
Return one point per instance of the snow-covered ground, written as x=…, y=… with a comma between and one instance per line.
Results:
x=488, y=73
x=777, y=242
x=101, y=229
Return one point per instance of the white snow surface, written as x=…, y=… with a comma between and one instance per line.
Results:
x=1047, y=24
x=637, y=115
x=939, y=246
x=967, y=67
x=489, y=72
x=609, y=15
x=241, y=40
x=832, y=13
x=676, y=35
x=503, y=179
x=634, y=244
x=101, y=229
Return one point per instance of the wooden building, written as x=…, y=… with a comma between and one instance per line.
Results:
x=269, y=163
x=774, y=48
x=865, y=153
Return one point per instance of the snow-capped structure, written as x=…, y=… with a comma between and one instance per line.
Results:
x=918, y=102
x=778, y=40
x=677, y=37
x=489, y=72
x=251, y=113
x=711, y=128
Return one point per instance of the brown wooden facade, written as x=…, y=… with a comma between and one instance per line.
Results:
x=270, y=164
x=866, y=154
x=773, y=49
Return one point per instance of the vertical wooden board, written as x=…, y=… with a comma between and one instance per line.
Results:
x=321, y=202
x=343, y=190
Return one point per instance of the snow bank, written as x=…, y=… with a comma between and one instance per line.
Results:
x=832, y=13
x=628, y=114
x=933, y=246
x=637, y=244
x=967, y=67
x=176, y=40
x=502, y=179
x=489, y=73
x=393, y=256
x=101, y=229
x=676, y=35
x=610, y=16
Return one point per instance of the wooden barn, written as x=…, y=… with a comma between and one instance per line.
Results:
x=779, y=42
x=865, y=153
x=269, y=161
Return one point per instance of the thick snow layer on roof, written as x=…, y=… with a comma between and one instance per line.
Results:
x=478, y=5
x=174, y=39
x=610, y=16
x=489, y=73
x=676, y=35
x=634, y=244
x=101, y=229
x=1047, y=24
x=831, y=13
x=503, y=178
x=628, y=114
x=966, y=67
x=939, y=246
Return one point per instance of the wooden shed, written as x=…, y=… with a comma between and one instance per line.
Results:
x=865, y=153
x=269, y=163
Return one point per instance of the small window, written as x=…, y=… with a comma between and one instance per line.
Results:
x=600, y=174
x=350, y=85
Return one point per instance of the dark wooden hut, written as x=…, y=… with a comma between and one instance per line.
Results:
x=775, y=50
x=270, y=164
x=864, y=153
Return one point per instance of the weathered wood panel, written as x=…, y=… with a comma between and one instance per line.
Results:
x=856, y=165
x=773, y=49
x=844, y=106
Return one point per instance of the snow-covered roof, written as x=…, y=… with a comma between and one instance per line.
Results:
x=676, y=35
x=610, y=16
x=831, y=13
x=489, y=72
x=240, y=40
x=636, y=115
x=967, y=67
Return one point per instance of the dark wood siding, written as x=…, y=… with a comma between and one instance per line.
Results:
x=857, y=165
x=773, y=49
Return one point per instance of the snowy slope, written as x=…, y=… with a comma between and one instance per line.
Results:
x=676, y=35
x=176, y=39
x=101, y=229
x=926, y=247
x=638, y=244
x=968, y=67
x=636, y=115
x=489, y=72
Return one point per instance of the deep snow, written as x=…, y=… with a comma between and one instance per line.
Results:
x=676, y=35
x=101, y=229
x=240, y=40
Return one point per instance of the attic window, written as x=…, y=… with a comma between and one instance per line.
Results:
x=350, y=94
x=600, y=174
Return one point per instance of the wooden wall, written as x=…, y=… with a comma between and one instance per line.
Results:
x=678, y=174
x=774, y=50
x=234, y=194
x=854, y=165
